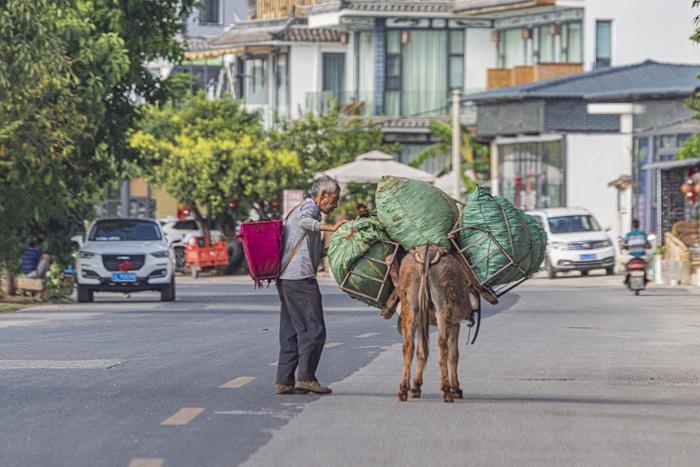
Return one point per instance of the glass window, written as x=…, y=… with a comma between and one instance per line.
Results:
x=513, y=48
x=573, y=224
x=424, y=84
x=334, y=76
x=571, y=43
x=531, y=175
x=456, y=60
x=457, y=42
x=668, y=142
x=365, y=69
x=255, y=82
x=543, y=42
x=186, y=225
x=603, y=43
x=209, y=12
x=124, y=230
x=282, y=85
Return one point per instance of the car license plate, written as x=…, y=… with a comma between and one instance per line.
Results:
x=588, y=257
x=637, y=273
x=123, y=277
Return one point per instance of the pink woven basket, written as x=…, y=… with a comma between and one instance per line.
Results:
x=262, y=243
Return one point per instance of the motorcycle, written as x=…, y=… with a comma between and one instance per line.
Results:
x=636, y=275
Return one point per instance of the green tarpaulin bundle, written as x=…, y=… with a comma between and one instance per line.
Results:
x=351, y=248
x=519, y=235
x=415, y=213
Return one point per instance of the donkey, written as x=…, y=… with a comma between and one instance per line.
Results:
x=433, y=289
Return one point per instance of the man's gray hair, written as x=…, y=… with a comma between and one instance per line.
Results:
x=324, y=184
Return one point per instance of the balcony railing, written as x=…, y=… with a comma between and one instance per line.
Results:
x=363, y=104
x=505, y=77
x=268, y=9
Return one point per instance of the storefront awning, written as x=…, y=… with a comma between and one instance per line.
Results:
x=675, y=164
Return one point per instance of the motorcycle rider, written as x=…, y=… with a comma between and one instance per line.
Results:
x=636, y=244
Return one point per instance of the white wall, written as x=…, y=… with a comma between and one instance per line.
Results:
x=227, y=14
x=593, y=161
x=643, y=29
x=306, y=65
x=480, y=55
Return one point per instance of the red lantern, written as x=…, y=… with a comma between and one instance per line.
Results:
x=690, y=196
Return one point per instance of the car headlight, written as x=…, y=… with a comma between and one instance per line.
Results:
x=87, y=254
x=606, y=243
x=559, y=246
x=161, y=254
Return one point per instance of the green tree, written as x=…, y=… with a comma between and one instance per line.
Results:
x=69, y=74
x=214, y=156
x=327, y=141
x=475, y=156
x=691, y=148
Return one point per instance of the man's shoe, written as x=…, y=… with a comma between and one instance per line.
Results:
x=289, y=389
x=313, y=386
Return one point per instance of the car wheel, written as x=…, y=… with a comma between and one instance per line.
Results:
x=167, y=293
x=584, y=273
x=609, y=271
x=551, y=271
x=85, y=295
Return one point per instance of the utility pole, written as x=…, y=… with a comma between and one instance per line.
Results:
x=456, y=145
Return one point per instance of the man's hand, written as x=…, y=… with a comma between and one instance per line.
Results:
x=332, y=227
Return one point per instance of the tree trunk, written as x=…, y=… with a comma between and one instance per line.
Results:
x=9, y=286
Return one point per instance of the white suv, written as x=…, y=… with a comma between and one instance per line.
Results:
x=125, y=255
x=576, y=241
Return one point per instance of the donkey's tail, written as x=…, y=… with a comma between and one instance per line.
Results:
x=423, y=315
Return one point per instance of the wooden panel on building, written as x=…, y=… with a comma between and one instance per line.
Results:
x=523, y=75
x=499, y=78
x=267, y=9
x=556, y=70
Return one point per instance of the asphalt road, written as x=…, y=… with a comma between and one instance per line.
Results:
x=570, y=372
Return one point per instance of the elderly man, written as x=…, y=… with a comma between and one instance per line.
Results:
x=302, y=327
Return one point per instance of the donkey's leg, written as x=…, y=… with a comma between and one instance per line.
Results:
x=443, y=332
x=421, y=358
x=453, y=359
x=408, y=330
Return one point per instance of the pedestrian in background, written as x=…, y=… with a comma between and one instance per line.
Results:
x=35, y=263
x=302, y=327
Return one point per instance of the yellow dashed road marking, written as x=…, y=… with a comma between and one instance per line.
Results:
x=143, y=462
x=330, y=345
x=183, y=416
x=236, y=383
x=367, y=335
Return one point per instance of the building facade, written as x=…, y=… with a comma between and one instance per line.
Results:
x=570, y=141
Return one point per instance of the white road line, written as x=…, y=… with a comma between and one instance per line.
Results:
x=236, y=383
x=367, y=335
x=58, y=364
x=275, y=363
x=20, y=322
x=145, y=462
x=330, y=345
x=183, y=416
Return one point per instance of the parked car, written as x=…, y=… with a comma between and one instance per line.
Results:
x=125, y=255
x=576, y=241
x=187, y=229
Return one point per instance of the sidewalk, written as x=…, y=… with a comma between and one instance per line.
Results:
x=566, y=377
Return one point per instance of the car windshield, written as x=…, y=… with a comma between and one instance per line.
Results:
x=571, y=224
x=124, y=230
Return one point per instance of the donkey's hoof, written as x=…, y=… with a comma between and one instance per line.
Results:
x=402, y=396
x=459, y=394
x=448, y=397
x=415, y=393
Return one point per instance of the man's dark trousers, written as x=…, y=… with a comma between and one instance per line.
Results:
x=302, y=330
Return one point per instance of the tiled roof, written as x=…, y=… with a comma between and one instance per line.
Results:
x=264, y=31
x=647, y=79
x=396, y=6
x=493, y=6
